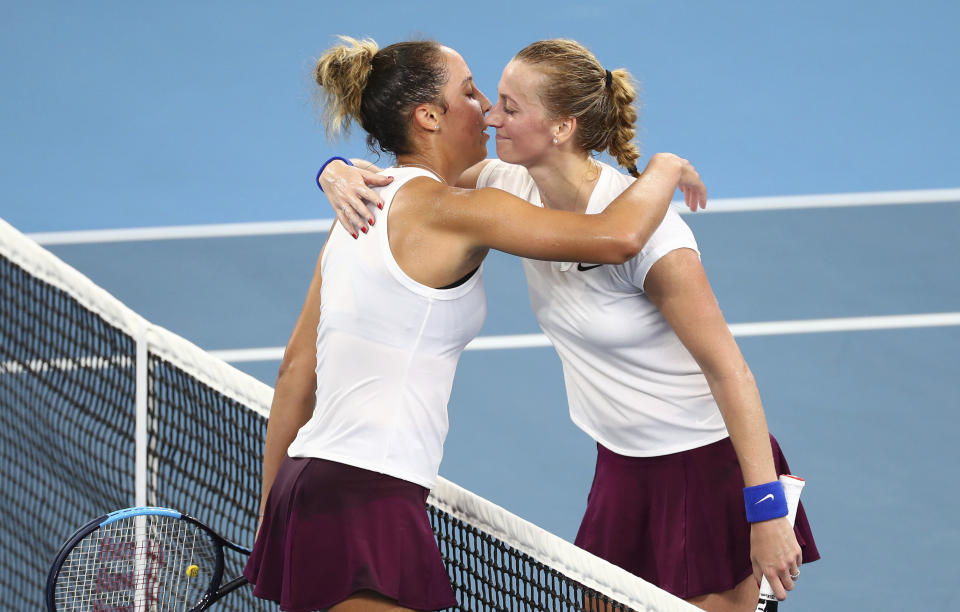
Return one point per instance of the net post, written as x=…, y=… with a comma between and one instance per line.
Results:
x=140, y=426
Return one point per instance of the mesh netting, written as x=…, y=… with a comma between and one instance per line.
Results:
x=204, y=453
x=66, y=428
x=489, y=574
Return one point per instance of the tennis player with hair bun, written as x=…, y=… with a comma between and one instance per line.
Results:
x=359, y=415
x=685, y=493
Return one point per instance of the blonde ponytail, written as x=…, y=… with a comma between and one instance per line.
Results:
x=342, y=73
x=621, y=146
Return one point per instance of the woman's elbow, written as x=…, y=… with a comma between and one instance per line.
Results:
x=297, y=371
x=733, y=373
x=627, y=246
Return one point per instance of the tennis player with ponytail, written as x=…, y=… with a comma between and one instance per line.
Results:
x=359, y=414
x=685, y=492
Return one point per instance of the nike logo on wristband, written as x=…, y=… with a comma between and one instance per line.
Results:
x=764, y=498
x=584, y=268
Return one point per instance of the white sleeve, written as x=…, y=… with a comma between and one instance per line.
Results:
x=511, y=178
x=672, y=234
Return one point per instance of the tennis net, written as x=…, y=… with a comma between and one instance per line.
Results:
x=101, y=410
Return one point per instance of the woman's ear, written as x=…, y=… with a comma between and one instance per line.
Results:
x=564, y=129
x=427, y=117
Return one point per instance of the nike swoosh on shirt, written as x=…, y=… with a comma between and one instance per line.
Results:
x=584, y=268
x=764, y=498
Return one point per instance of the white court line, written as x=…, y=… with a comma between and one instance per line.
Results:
x=720, y=205
x=813, y=326
x=268, y=353
x=176, y=232
x=486, y=343
x=740, y=330
x=829, y=200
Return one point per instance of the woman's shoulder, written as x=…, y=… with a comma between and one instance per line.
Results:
x=613, y=177
x=509, y=177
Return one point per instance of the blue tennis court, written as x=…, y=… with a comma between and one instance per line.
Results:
x=183, y=115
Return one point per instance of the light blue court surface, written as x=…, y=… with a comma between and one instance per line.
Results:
x=116, y=116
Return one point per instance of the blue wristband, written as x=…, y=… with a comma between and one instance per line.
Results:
x=326, y=163
x=765, y=502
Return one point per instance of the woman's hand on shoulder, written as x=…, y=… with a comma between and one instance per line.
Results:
x=689, y=182
x=694, y=191
x=348, y=189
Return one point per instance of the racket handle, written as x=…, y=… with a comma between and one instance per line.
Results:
x=792, y=486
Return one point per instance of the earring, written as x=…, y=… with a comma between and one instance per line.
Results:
x=555, y=141
x=436, y=127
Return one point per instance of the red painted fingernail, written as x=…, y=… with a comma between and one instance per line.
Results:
x=370, y=221
x=380, y=205
x=363, y=229
x=354, y=235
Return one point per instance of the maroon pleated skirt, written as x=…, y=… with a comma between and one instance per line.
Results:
x=331, y=530
x=678, y=520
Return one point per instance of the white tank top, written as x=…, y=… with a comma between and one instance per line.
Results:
x=387, y=351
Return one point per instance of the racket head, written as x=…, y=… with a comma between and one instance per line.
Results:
x=144, y=555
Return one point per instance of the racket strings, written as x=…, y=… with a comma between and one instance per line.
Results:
x=137, y=564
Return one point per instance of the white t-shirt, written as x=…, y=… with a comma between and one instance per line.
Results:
x=387, y=351
x=631, y=384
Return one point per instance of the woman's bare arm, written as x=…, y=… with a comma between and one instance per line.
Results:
x=295, y=391
x=491, y=218
x=678, y=285
x=468, y=180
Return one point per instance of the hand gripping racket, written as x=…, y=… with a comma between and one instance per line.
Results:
x=792, y=486
x=141, y=560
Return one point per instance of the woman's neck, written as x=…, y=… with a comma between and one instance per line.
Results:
x=566, y=180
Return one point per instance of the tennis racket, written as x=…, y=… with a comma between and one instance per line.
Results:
x=141, y=560
x=792, y=486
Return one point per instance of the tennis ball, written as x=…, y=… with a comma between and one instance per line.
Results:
x=192, y=571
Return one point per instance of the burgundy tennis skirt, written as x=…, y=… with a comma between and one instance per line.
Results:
x=678, y=520
x=331, y=530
